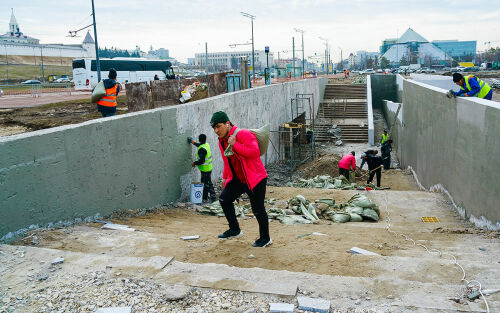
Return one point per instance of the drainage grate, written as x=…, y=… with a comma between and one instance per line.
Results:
x=430, y=219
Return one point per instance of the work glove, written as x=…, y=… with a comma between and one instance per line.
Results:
x=461, y=95
x=190, y=140
x=192, y=164
x=451, y=94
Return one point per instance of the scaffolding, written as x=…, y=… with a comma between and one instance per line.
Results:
x=296, y=142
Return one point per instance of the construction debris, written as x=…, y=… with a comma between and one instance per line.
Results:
x=117, y=227
x=313, y=304
x=216, y=209
x=328, y=182
x=194, y=237
x=193, y=92
x=495, y=83
x=357, y=209
x=360, y=80
x=356, y=250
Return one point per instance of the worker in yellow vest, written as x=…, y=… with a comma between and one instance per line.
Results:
x=107, y=104
x=204, y=163
x=385, y=137
x=471, y=86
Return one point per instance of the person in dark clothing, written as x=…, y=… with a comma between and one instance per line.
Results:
x=156, y=77
x=107, y=104
x=363, y=159
x=386, y=154
x=375, y=166
x=204, y=163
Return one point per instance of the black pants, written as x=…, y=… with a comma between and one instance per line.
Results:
x=345, y=172
x=233, y=190
x=379, y=175
x=208, y=187
x=386, y=160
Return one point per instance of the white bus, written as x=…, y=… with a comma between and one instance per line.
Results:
x=129, y=70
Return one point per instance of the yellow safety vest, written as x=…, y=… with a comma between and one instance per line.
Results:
x=385, y=137
x=483, y=92
x=207, y=166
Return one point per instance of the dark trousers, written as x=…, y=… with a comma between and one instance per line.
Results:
x=343, y=171
x=386, y=160
x=379, y=175
x=208, y=187
x=232, y=191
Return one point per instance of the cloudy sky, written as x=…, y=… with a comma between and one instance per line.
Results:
x=183, y=27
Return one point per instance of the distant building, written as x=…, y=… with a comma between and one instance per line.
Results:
x=460, y=51
x=14, y=42
x=412, y=48
x=362, y=59
x=191, y=61
x=231, y=60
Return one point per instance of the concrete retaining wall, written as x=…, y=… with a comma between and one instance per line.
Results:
x=135, y=160
x=383, y=88
x=453, y=146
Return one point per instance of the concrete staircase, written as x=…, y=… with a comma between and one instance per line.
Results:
x=345, y=106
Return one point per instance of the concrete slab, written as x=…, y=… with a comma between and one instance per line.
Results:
x=281, y=307
x=221, y=276
x=314, y=304
x=117, y=227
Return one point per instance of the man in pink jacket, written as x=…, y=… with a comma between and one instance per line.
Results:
x=243, y=172
x=347, y=162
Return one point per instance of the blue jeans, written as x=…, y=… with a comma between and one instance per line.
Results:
x=107, y=114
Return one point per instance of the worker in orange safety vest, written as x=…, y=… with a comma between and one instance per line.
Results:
x=107, y=104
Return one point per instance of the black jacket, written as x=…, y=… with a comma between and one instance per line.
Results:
x=202, y=154
x=373, y=161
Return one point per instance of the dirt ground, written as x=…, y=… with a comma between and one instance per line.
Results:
x=51, y=115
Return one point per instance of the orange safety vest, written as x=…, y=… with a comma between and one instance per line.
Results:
x=109, y=99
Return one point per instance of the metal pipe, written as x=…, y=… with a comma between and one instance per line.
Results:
x=98, y=63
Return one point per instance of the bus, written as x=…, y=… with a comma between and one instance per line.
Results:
x=129, y=70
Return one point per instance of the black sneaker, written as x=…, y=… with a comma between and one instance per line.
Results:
x=230, y=234
x=262, y=243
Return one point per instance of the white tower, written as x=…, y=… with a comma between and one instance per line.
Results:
x=13, y=26
x=88, y=45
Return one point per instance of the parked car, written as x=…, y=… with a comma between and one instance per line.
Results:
x=62, y=80
x=30, y=82
x=428, y=70
x=1, y=92
x=472, y=69
x=369, y=71
x=379, y=71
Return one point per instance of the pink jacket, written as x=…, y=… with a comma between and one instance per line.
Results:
x=246, y=150
x=347, y=161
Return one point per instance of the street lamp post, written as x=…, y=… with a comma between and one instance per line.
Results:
x=251, y=17
x=303, y=60
x=341, y=60
x=96, y=46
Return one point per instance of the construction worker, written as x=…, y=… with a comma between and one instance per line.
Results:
x=347, y=163
x=385, y=137
x=243, y=172
x=204, y=163
x=471, y=86
x=363, y=159
x=386, y=154
x=107, y=104
x=374, y=166
x=309, y=135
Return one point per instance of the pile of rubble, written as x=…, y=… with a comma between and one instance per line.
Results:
x=193, y=92
x=299, y=210
x=328, y=182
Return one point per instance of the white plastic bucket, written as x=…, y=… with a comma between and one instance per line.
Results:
x=196, y=193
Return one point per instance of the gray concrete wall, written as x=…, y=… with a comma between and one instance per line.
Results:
x=453, y=146
x=383, y=88
x=131, y=161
